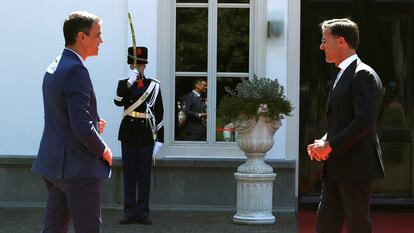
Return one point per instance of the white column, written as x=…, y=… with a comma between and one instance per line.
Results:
x=254, y=198
x=293, y=86
x=255, y=177
x=259, y=37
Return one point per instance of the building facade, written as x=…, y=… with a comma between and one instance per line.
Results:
x=220, y=41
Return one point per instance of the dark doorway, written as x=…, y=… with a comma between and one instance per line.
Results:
x=387, y=45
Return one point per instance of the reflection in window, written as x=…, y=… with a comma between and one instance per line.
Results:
x=392, y=114
x=191, y=109
x=233, y=40
x=395, y=120
x=392, y=63
x=191, y=39
x=395, y=73
x=225, y=130
x=227, y=59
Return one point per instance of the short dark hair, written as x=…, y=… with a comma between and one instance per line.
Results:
x=79, y=21
x=345, y=28
x=198, y=80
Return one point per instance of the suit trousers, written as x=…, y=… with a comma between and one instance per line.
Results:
x=77, y=199
x=349, y=200
x=194, y=131
x=136, y=169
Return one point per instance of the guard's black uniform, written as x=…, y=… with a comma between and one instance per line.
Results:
x=137, y=140
x=136, y=131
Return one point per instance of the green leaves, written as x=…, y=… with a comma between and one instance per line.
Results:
x=244, y=100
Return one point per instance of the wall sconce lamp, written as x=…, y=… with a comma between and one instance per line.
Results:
x=274, y=28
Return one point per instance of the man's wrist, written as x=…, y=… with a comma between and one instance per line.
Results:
x=326, y=144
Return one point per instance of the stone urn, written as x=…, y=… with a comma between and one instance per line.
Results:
x=255, y=177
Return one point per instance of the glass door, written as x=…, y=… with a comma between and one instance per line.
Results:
x=386, y=35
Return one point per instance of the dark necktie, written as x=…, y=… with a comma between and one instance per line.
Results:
x=335, y=77
x=331, y=84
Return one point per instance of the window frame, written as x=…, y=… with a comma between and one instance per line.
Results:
x=167, y=69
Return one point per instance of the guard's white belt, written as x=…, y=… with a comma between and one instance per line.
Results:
x=139, y=115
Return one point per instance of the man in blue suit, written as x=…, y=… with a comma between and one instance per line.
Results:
x=72, y=156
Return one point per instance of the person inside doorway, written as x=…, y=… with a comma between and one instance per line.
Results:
x=195, y=108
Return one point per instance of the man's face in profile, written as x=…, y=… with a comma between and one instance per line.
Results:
x=201, y=86
x=93, y=40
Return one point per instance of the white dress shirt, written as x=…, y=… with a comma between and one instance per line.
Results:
x=343, y=65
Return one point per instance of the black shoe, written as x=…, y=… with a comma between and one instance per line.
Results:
x=144, y=221
x=126, y=220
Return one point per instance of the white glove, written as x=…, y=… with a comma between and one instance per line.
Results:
x=157, y=147
x=133, y=74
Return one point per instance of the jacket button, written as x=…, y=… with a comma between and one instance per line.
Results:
x=132, y=120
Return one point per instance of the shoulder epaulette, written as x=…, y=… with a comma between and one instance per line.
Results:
x=155, y=80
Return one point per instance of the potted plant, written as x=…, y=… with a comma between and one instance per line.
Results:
x=255, y=107
x=243, y=102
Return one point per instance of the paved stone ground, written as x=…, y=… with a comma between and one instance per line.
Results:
x=29, y=220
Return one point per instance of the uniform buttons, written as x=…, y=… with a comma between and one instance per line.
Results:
x=142, y=121
x=132, y=120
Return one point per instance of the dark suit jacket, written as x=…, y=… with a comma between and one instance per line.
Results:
x=71, y=146
x=135, y=131
x=193, y=106
x=353, y=108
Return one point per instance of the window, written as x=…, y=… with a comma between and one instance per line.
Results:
x=212, y=51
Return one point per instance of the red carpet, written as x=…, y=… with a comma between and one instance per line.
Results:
x=384, y=222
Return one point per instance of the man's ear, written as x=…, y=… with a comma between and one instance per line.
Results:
x=80, y=36
x=342, y=42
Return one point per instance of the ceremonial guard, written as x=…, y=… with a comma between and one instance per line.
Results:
x=141, y=134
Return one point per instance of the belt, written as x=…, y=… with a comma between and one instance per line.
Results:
x=139, y=115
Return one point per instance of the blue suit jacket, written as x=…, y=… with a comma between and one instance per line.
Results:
x=71, y=146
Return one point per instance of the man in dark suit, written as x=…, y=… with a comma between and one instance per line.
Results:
x=72, y=156
x=196, y=112
x=141, y=134
x=350, y=148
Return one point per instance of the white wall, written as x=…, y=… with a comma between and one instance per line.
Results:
x=31, y=37
x=276, y=67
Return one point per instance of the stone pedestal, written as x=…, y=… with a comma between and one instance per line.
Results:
x=254, y=198
x=255, y=177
